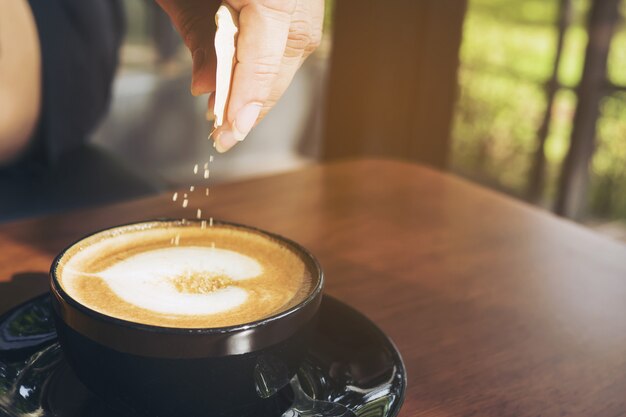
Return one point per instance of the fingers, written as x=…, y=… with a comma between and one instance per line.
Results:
x=274, y=39
x=298, y=39
x=305, y=34
x=263, y=30
x=260, y=47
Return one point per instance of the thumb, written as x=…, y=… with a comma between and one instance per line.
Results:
x=194, y=21
x=203, y=70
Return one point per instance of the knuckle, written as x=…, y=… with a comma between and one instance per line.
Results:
x=299, y=38
x=272, y=15
x=267, y=106
x=259, y=13
x=265, y=68
x=300, y=29
x=316, y=41
x=312, y=46
x=278, y=6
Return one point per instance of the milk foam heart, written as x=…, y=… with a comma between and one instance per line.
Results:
x=215, y=277
x=177, y=280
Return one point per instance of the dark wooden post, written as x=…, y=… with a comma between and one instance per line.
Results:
x=393, y=79
x=537, y=173
x=571, y=201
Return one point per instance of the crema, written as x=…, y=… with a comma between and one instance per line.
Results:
x=182, y=275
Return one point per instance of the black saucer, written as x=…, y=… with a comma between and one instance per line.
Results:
x=351, y=369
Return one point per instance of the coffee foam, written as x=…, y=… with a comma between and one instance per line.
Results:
x=218, y=276
x=177, y=280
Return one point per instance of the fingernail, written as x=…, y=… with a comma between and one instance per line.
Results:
x=225, y=140
x=245, y=119
x=198, y=63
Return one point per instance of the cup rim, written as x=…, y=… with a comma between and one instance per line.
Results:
x=308, y=258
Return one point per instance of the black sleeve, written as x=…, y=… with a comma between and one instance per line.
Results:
x=79, y=41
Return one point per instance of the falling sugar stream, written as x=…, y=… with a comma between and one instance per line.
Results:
x=187, y=198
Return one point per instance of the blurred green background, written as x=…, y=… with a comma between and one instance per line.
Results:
x=506, y=66
x=507, y=58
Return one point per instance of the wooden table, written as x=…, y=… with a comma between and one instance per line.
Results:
x=498, y=308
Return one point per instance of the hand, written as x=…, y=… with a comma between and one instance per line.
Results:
x=275, y=37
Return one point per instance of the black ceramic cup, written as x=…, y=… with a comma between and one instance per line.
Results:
x=162, y=371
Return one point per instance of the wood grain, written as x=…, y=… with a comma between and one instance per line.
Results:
x=499, y=309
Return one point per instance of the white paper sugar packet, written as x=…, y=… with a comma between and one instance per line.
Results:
x=227, y=21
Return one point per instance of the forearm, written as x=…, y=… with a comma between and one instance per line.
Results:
x=20, y=77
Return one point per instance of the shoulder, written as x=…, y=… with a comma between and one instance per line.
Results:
x=20, y=86
x=80, y=42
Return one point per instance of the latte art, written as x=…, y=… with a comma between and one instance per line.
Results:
x=182, y=280
x=215, y=277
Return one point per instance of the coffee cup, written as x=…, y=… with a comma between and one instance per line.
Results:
x=179, y=318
